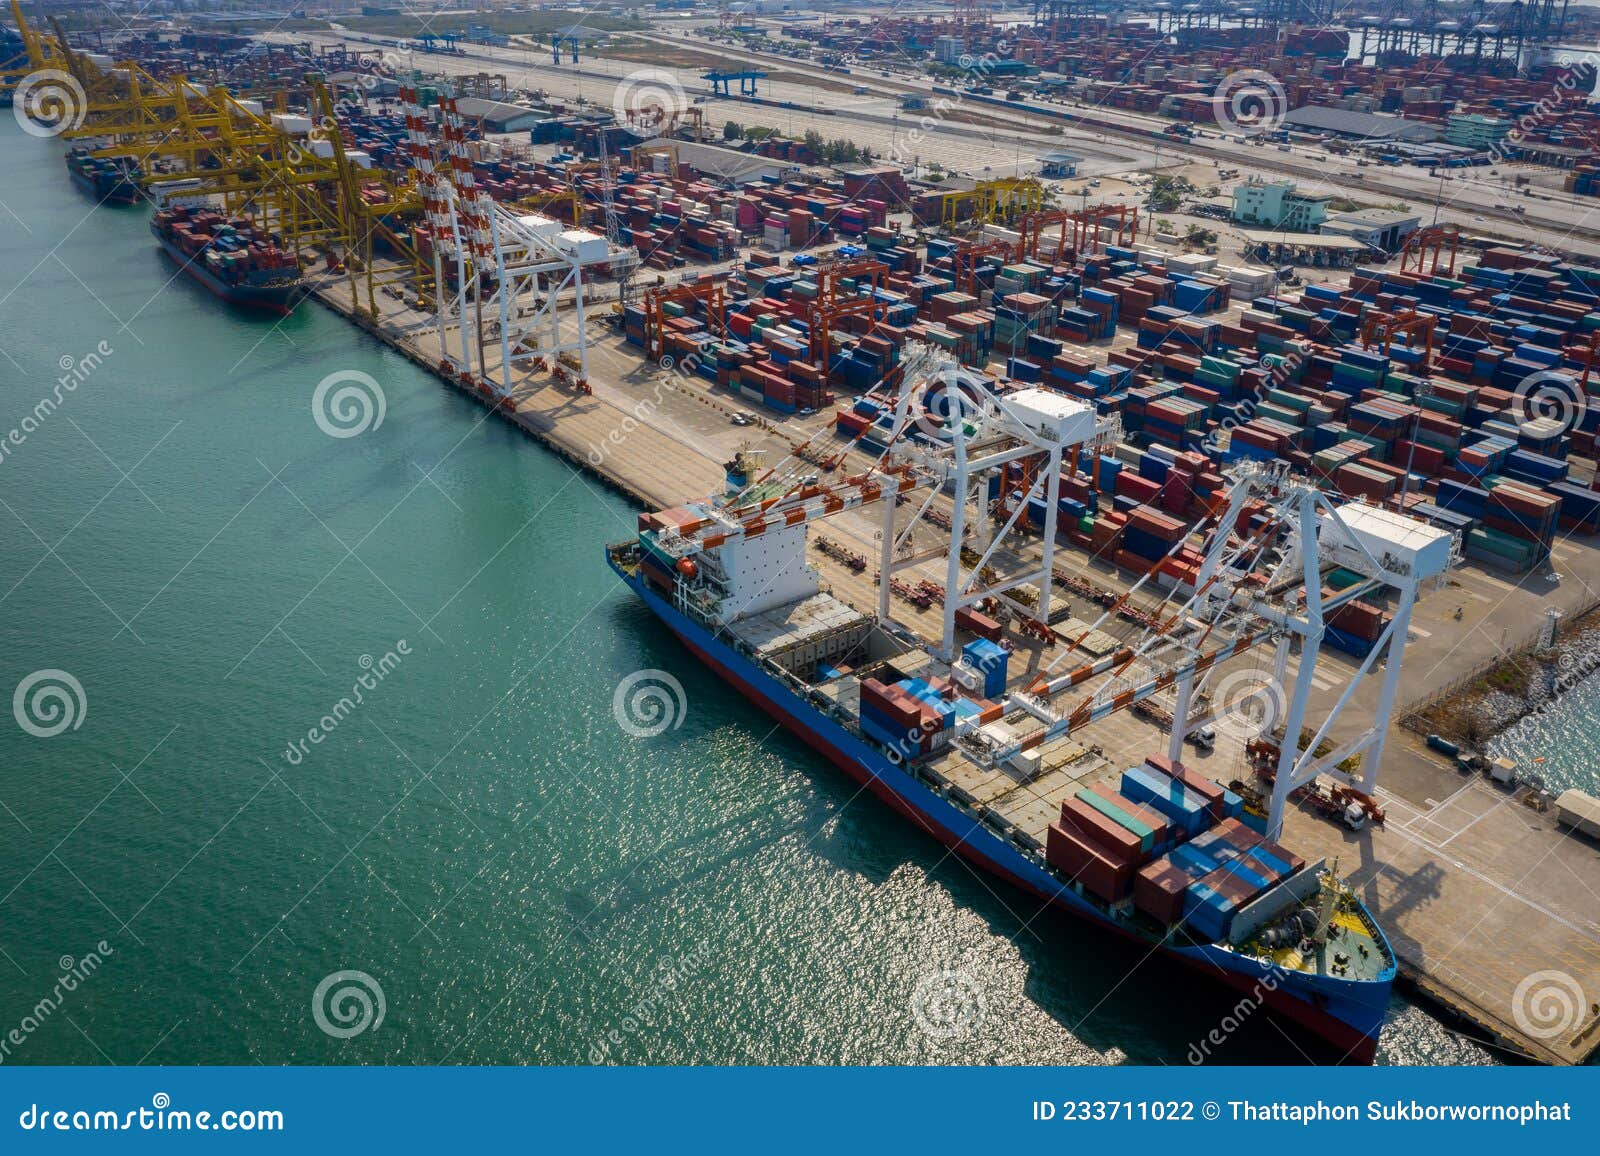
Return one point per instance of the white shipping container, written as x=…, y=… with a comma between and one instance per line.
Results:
x=1191, y=262
x=291, y=123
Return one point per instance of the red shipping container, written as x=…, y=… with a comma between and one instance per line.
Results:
x=883, y=698
x=1176, y=493
x=1166, y=528
x=1111, y=837
x=1158, y=891
x=1133, y=562
x=1234, y=887
x=1206, y=788
x=1083, y=863
x=1142, y=490
x=982, y=625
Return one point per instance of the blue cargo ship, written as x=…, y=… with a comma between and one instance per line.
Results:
x=1158, y=855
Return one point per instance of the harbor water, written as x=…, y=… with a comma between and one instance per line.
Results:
x=346, y=782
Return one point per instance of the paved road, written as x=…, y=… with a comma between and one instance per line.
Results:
x=1471, y=200
x=874, y=120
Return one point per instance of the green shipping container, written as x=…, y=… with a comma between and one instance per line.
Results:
x=1147, y=836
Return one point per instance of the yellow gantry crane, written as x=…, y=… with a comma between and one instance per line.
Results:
x=991, y=202
x=292, y=174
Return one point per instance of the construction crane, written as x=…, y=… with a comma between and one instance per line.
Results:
x=291, y=173
x=997, y=201
x=608, y=186
x=1430, y=250
x=1256, y=583
x=1087, y=226
x=1248, y=590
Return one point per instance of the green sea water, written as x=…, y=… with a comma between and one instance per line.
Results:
x=516, y=877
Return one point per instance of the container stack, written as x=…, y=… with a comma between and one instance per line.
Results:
x=912, y=722
x=989, y=661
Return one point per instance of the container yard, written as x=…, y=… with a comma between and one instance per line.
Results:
x=1082, y=483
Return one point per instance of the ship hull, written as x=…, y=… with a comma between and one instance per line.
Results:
x=1346, y=1015
x=117, y=192
x=279, y=299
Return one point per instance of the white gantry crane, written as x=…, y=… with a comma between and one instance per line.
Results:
x=517, y=277
x=1253, y=587
x=1264, y=548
